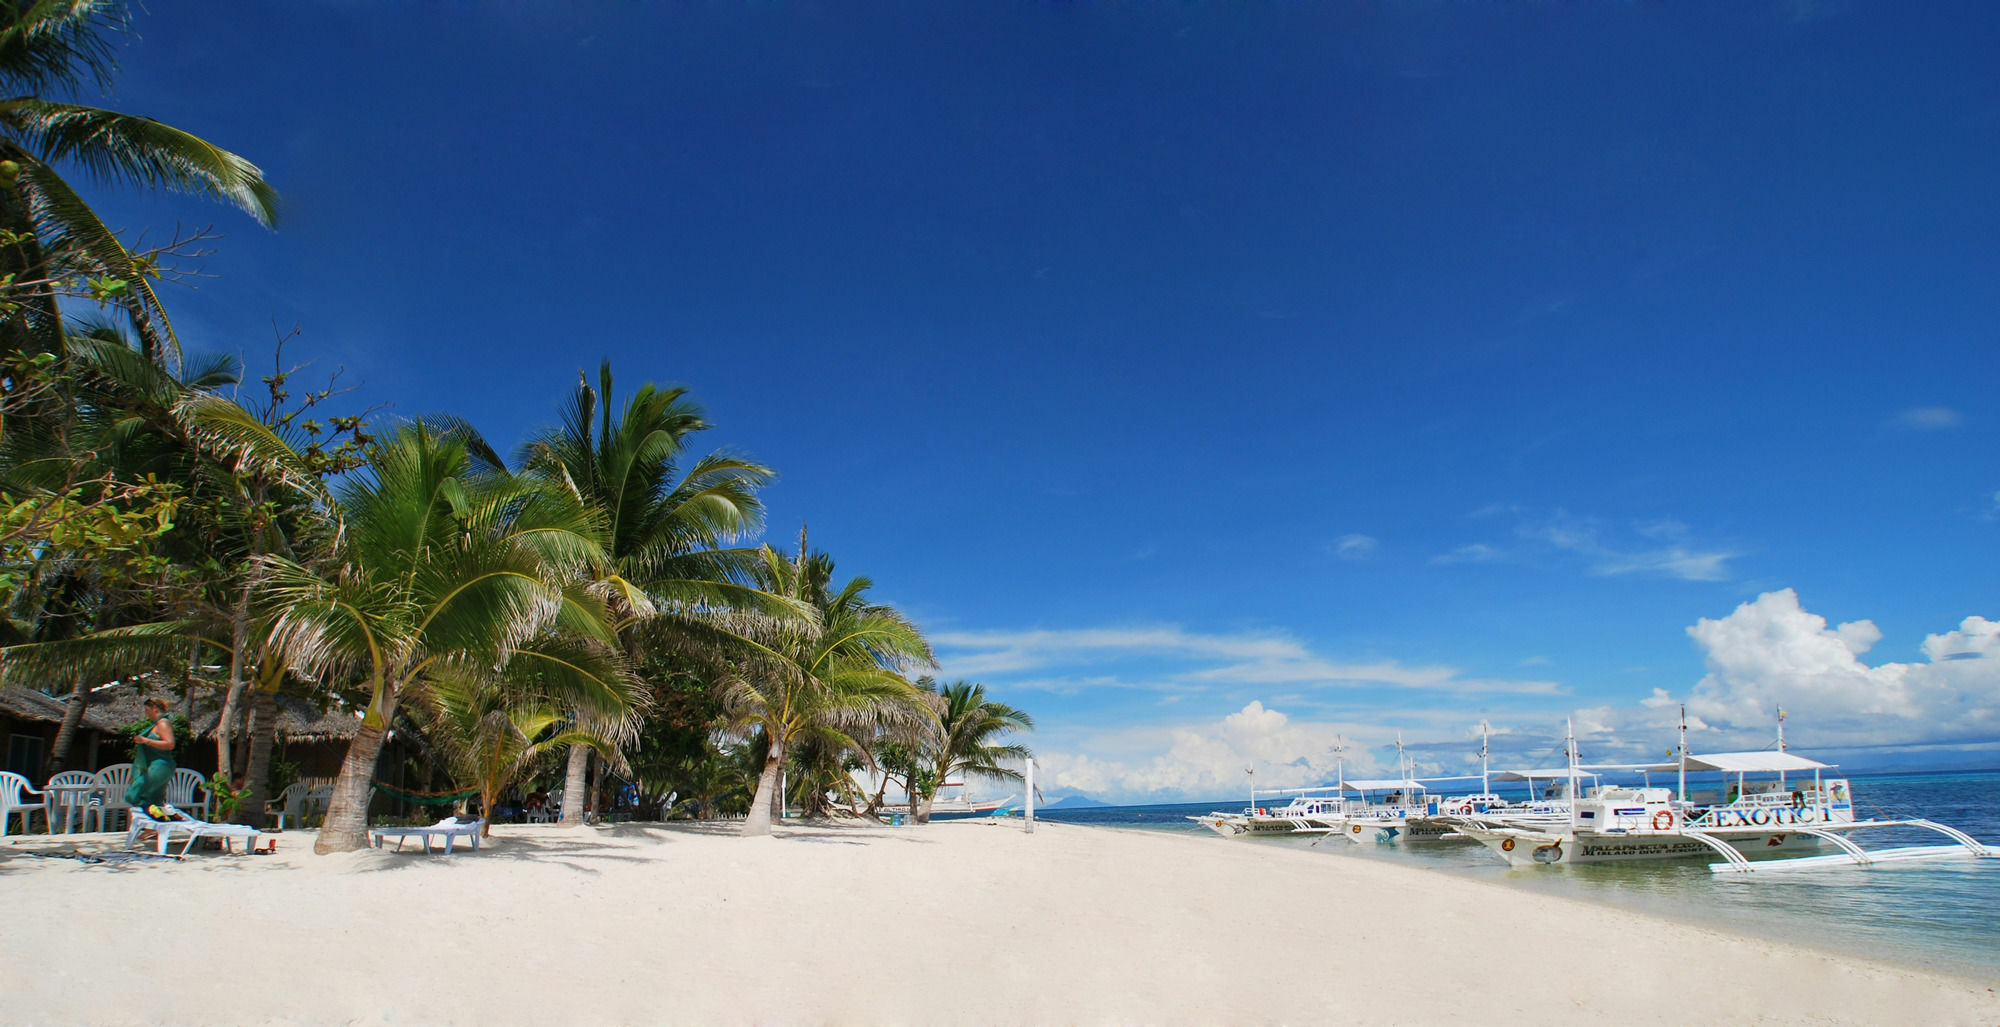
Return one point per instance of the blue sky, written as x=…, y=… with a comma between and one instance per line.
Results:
x=1214, y=381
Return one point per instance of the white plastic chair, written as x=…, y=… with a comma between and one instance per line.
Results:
x=290, y=803
x=69, y=796
x=180, y=791
x=107, y=802
x=11, y=802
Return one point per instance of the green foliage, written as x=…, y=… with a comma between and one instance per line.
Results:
x=224, y=799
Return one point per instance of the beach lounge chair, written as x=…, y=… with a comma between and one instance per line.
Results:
x=450, y=829
x=12, y=789
x=175, y=822
x=107, y=800
x=69, y=799
x=180, y=791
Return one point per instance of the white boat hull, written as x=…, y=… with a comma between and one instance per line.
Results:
x=1523, y=847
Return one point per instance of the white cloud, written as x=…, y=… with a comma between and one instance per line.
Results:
x=1771, y=651
x=1355, y=547
x=1198, y=659
x=1477, y=552
x=1674, y=560
x=1207, y=759
x=1660, y=548
x=1927, y=418
x=972, y=653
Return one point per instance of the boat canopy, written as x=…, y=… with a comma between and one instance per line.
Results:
x=1768, y=762
x=1384, y=784
x=1557, y=774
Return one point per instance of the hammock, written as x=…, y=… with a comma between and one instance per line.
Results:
x=424, y=798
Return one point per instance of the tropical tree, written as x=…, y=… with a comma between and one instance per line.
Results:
x=666, y=571
x=822, y=680
x=47, y=232
x=446, y=569
x=492, y=731
x=968, y=722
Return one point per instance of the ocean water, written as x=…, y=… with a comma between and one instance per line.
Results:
x=1941, y=915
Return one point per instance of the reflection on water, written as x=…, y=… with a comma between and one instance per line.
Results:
x=1943, y=914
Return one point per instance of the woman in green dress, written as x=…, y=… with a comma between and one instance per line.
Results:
x=152, y=758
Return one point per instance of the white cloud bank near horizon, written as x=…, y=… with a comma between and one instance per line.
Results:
x=1767, y=652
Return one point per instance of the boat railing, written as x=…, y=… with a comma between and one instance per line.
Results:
x=1851, y=854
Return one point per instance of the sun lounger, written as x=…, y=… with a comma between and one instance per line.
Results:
x=164, y=828
x=450, y=829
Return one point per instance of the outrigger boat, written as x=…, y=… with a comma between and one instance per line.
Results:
x=1765, y=818
x=1311, y=811
x=1402, y=824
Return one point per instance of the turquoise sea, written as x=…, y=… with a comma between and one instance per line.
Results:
x=1939, y=914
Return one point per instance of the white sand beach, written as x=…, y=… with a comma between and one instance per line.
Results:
x=951, y=923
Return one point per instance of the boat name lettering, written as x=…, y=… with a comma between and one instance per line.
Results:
x=1768, y=817
x=1634, y=849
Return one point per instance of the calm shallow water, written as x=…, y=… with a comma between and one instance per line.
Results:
x=1941, y=914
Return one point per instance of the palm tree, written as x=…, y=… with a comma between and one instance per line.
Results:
x=47, y=231
x=446, y=569
x=492, y=730
x=968, y=723
x=821, y=681
x=665, y=563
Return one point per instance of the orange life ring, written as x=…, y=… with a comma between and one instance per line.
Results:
x=1262, y=812
x=1507, y=845
x=1357, y=828
x=1467, y=808
x=1666, y=815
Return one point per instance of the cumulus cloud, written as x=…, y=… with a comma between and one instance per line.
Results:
x=1355, y=547
x=1207, y=759
x=1771, y=651
x=1927, y=418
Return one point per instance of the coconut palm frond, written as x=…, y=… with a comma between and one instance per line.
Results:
x=61, y=43
x=101, y=655
x=117, y=147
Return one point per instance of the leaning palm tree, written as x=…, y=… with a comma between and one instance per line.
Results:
x=47, y=231
x=968, y=722
x=666, y=566
x=445, y=570
x=823, y=681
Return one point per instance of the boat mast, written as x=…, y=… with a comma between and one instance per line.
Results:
x=1781, y=746
x=1684, y=752
x=1485, y=786
x=1569, y=750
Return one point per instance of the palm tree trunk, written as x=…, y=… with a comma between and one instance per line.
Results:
x=232, y=701
x=346, y=827
x=573, y=786
x=257, y=773
x=79, y=700
x=759, y=820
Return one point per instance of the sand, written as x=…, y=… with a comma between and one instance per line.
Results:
x=961, y=922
